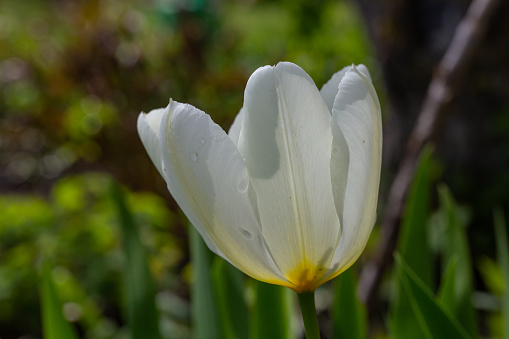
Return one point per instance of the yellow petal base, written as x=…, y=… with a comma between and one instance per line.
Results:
x=305, y=276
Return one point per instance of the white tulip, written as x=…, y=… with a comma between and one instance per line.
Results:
x=289, y=195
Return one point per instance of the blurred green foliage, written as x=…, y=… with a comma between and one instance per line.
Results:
x=73, y=77
x=413, y=245
x=349, y=316
x=78, y=228
x=138, y=285
x=54, y=324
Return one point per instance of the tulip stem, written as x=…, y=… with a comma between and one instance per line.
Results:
x=308, y=311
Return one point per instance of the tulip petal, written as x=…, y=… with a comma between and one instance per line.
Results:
x=286, y=143
x=331, y=88
x=148, y=129
x=208, y=178
x=234, y=131
x=356, y=120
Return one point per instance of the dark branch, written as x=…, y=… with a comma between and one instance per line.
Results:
x=450, y=72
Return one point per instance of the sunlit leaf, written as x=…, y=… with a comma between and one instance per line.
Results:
x=205, y=311
x=54, y=324
x=434, y=320
x=139, y=291
x=492, y=275
x=229, y=288
x=348, y=313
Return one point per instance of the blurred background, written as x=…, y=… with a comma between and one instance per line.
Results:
x=74, y=76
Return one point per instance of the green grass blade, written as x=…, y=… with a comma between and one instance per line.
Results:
x=139, y=290
x=413, y=246
x=54, y=325
x=447, y=291
x=348, y=313
x=503, y=259
x=434, y=320
x=205, y=312
x=456, y=246
x=271, y=316
x=229, y=289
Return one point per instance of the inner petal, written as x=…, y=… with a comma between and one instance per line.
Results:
x=286, y=143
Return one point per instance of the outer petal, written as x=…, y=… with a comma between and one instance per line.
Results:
x=331, y=88
x=286, y=142
x=234, y=131
x=356, y=120
x=207, y=177
x=148, y=129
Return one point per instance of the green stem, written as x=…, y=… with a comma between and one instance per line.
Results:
x=308, y=310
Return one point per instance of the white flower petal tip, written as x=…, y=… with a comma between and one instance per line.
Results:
x=289, y=195
x=148, y=129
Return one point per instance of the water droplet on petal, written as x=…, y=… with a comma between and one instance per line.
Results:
x=194, y=157
x=203, y=141
x=246, y=234
x=243, y=184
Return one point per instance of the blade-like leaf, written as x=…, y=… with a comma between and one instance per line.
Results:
x=54, y=325
x=348, y=313
x=503, y=259
x=141, y=312
x=229, y=289
x=456, y=246
x=447, y=292
x=271, y=316
x=434, y=320
x=413, y=244
x=205, y=312
x=414, y=248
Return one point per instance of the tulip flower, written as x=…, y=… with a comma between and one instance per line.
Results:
x=289, y=195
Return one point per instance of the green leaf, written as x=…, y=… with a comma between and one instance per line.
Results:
x=348, y=312
x=205, y=311
x=492, y=275
x=139, y=291
x=503, y=259
x=271, y=316
x=434, y=320
x=447, y=291
x=228, y=284
x=456, y=246
x=54, y=325
x=413, y=246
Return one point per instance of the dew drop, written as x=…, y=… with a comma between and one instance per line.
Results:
x=203, y=141
x=194, y=157
x=246, y=234
x=243, y=184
